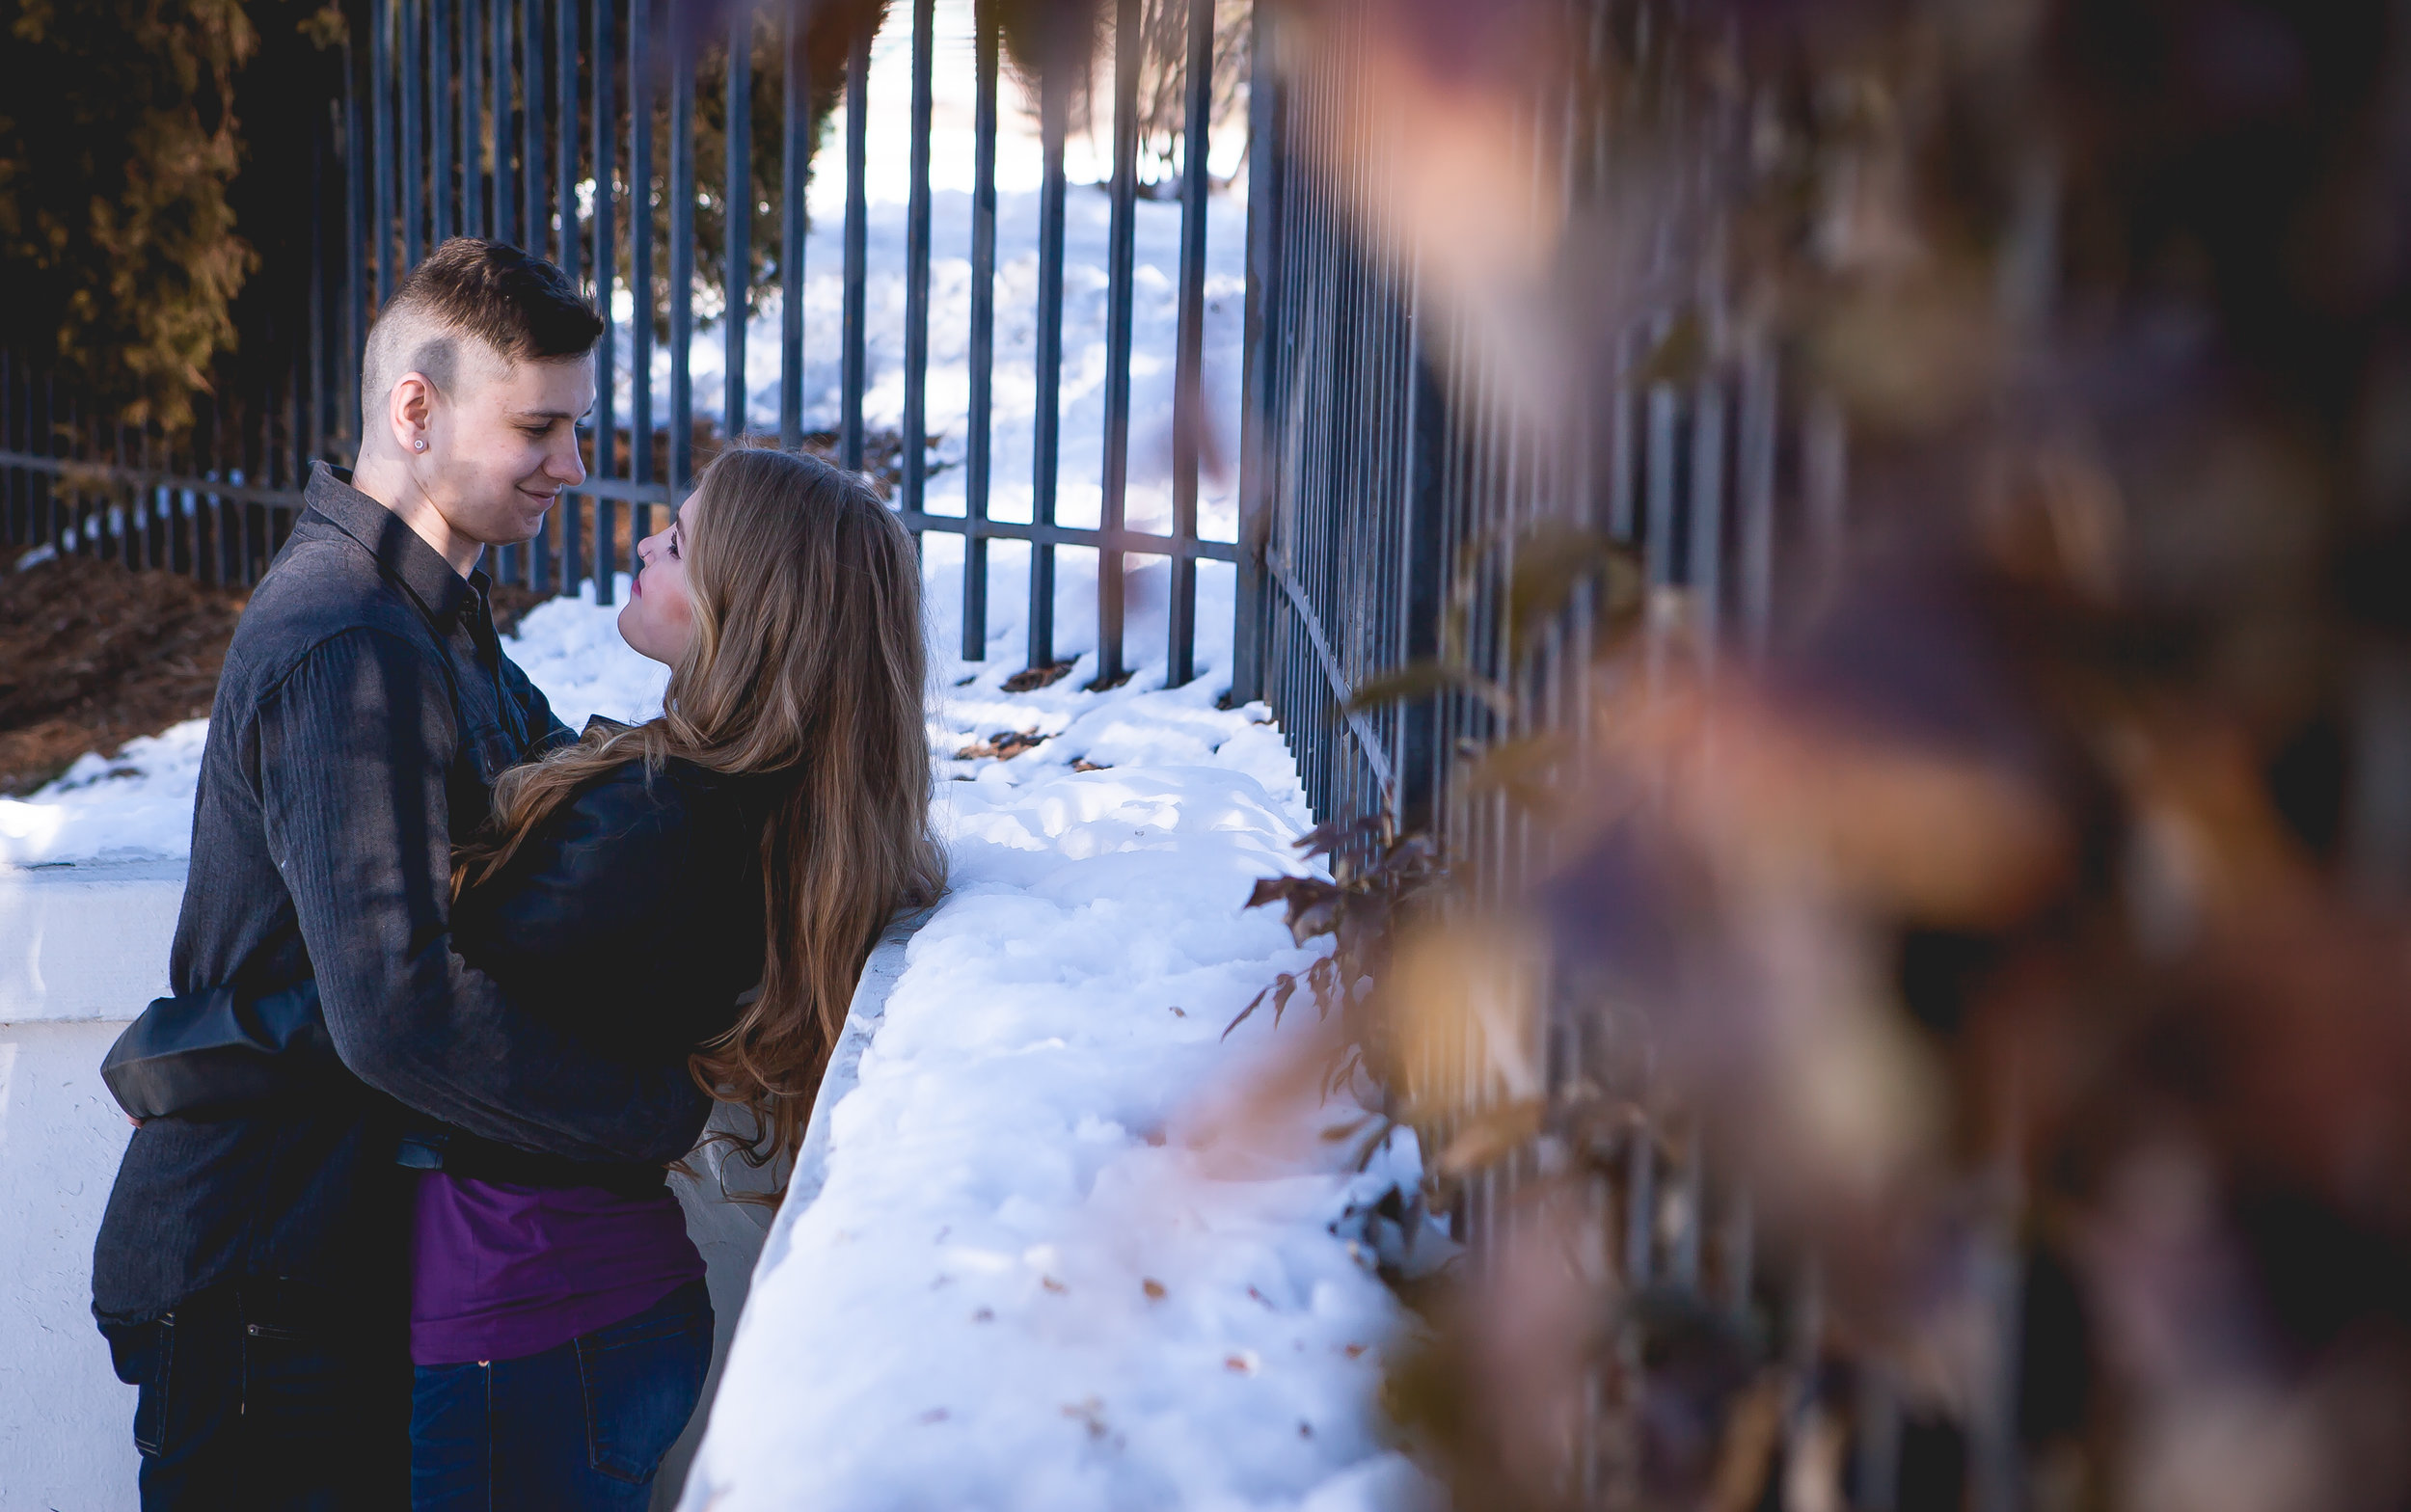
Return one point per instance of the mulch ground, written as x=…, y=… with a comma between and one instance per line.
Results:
x=92, y=654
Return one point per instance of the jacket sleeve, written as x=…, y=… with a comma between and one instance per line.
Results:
x=358, y=819
x=605, y=892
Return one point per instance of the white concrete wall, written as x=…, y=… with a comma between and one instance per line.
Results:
x=82, y=949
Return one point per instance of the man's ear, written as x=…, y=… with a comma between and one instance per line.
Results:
x=412, y=412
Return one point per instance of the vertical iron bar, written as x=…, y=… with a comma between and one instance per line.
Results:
x=569, y=552
x=537, y=559
x=793, y=166
x=1737, y=1247
x=737, y=273
x=442, y=167
x=857, y=232
x=1054, y=109
x=916, y=372
x=14, y=477
x=1130, y=47
x=1706, y=577
x=414, y=209
x=1188, y=397
x=1694, y=1177
x=640, y=265
x=531, y=127
x=1260, y=378
x=314, y=436
x=474, y=221
x=355, y=275
x=565, y=151
x=1640, y=1207
x=682, y=65
x=381, y=126
x=603, y=560
x=1756, y=491
x=505, y=218
x=975, y=483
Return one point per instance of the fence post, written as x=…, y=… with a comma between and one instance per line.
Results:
x=1130, y=45
x=1266, y=160
x=602, y=560
x=793, y=166
x=975, y=483
x=381, y=130
x=1188, y=407
x=737, y=234
x=913, y=460
x=1047, y=424
x=858, y=246
x=640, y=267
x=683, y=53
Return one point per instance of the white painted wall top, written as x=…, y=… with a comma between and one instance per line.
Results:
x=85, y=940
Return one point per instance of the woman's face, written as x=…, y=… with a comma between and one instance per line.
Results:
x=659, y=616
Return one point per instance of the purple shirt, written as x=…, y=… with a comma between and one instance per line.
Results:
x=499, y=1271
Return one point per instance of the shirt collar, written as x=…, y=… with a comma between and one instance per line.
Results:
x=441, y=593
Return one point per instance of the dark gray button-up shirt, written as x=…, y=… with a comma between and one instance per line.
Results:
x=364, y=712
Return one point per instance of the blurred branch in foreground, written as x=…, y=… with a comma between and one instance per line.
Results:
x=1918, y=1018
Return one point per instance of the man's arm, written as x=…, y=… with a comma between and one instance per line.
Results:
x=359, y=823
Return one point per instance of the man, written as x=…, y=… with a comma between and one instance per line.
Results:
x=247, y=1269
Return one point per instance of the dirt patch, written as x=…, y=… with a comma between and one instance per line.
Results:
x=92, y=654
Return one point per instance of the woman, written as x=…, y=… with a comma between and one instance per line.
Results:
x=757, y=834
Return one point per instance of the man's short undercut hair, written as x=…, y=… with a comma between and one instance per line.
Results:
x=519, y=306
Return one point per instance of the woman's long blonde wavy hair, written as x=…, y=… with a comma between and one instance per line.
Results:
x=807, y=661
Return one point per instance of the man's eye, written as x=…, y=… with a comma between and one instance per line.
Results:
x=538, y=431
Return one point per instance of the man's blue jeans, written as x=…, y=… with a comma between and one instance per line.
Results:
x=265, y=1396
x=581, y=1427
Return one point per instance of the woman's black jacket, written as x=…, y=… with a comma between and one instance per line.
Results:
x=644, y=889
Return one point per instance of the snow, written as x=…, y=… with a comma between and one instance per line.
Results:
x=1085, y=1297
x=136, y=805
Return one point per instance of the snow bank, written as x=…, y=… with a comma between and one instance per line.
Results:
x=133, y=806
x=1082, y=1299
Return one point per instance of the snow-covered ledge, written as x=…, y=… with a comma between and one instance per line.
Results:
x=83, y=947
x=1056, y=1244
x=85, y=940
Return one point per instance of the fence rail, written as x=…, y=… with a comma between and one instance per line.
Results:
x=500, y=119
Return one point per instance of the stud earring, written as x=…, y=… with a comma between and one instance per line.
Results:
x=418, y=445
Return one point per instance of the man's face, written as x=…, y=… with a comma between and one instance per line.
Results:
x=504, y=444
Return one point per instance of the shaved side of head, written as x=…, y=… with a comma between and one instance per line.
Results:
x=469, y=304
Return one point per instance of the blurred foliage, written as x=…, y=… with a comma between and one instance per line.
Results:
x=117, y=139
x=2023, y=933
x=143, y=175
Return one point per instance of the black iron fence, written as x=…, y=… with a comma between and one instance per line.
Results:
x=540, y=123
x=1434, y=555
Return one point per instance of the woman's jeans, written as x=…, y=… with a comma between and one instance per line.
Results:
x=581, y=1427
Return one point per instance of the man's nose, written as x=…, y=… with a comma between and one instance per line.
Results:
x=565, y=464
